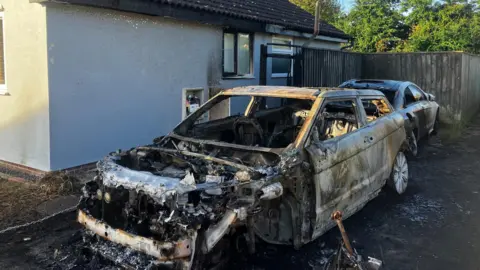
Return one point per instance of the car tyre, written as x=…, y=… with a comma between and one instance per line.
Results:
x=412, y=143
x=436, y=124
x=398, y=179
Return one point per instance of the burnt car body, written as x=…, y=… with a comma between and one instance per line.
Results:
x=276, y=171
x=419, y=108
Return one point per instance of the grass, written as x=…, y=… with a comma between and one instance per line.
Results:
x=18, y=201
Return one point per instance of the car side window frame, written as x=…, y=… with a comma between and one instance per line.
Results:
x=358, y=116
x=407, y=88
x=420, y=91
x=417, y=90
x=365, y=116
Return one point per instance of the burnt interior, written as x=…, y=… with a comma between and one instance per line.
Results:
x=269, y=122
x=335, y=119
x=375, y=108
x=339, y=117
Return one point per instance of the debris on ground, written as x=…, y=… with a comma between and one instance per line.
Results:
x=346, y=257
x=20, y=199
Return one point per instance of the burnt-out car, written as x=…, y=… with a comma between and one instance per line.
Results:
x=257, y=162
x=420, y=110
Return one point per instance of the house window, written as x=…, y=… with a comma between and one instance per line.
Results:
x=237, y=54
x=282, y=67
x=3, y=87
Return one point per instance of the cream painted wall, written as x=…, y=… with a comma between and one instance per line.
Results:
x=24, y=112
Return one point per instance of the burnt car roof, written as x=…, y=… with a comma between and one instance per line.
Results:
x=298, y=92
x=392, y=85
x=274, y=91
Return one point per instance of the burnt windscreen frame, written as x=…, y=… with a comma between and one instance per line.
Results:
x=276, y=102
x=266, y=121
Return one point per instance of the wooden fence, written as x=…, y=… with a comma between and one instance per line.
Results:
x=329, y=68
x=453, y=77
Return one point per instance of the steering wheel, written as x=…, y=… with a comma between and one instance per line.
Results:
x=279, y=135
x=248, y=131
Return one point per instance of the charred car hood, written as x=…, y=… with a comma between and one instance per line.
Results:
x=160, y=188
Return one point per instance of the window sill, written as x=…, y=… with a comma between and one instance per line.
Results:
x=238, y=77
x=280, y=75
x=4, y=92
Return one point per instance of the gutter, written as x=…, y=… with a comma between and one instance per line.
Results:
x=352, y=43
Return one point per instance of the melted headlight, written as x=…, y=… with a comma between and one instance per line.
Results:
x=99, y=194
x=107, y=197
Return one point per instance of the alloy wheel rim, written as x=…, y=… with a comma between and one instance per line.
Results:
x=400, y=176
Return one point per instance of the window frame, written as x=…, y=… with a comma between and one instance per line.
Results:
x=358, y=117
x=235, y=54
x=364, y=111
x=416, y=88
x=405, y=105
x=3, y=87
x=282, y=51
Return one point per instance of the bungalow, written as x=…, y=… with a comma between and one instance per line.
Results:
x=81, y=78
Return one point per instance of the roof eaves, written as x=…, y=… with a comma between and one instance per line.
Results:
x=325, y=31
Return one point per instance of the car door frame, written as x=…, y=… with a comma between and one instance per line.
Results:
x=414, y=112
x=327, y=169
x=430, y=112
x=384, y=145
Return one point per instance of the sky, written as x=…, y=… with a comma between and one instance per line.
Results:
x=346, y=4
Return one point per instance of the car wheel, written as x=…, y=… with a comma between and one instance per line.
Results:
x=436, y=123
x=399, y=176
x=412, y=143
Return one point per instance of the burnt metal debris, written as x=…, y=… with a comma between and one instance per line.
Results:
x=347, y=258
x=275, y=172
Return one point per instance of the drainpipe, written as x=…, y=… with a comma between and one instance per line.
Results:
x=316, y=27
x=352, y=42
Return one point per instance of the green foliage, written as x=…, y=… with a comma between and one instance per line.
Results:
x=329, y=9
x=410, y=25
x=445, y=27
x=375, y=24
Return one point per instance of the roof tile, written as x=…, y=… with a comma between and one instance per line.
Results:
x=280, y=12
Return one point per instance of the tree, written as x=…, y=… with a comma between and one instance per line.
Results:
x=406, y=25
x=329, y=9
x=376, y=25
x=448, y=26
